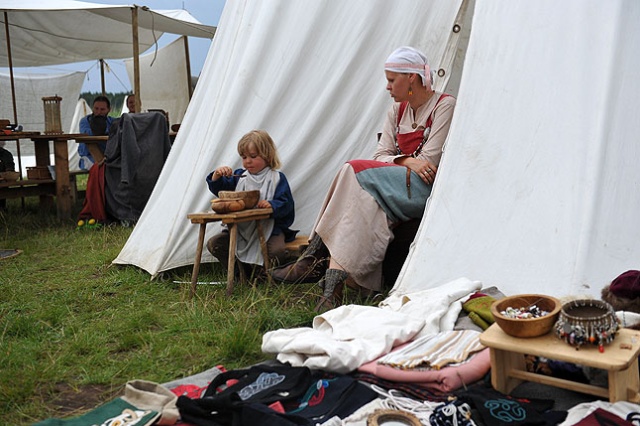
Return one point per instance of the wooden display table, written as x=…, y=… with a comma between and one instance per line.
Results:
x=620, y=359
x=229, y=219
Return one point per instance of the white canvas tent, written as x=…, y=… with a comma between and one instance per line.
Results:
x=284, y=67
x=165, y=81
x=30, y=108
x=538, y=188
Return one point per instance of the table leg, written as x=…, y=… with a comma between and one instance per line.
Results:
x=624, y=384
x=63, y=185
x=41, y=151
x=233, y=235
x=198, y=259
x=502, y=362
x=263, y=245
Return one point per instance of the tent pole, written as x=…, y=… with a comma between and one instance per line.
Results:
x=136, y=57
x=188, y=64
x=102, y=77
x=13, y=86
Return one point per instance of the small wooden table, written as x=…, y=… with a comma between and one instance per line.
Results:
x=619, y=359
x=229, y=219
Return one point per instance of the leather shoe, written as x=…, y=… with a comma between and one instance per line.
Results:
x=305, y=270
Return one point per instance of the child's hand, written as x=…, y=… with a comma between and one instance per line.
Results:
x=221, y=171
x=263, y=204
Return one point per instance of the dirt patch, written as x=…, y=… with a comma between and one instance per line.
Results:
x=68, y=401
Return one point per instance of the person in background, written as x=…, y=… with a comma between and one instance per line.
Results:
x=131, y=103
x=97, y=123
x=7, y=164
x=369, y=198
x=260, y=163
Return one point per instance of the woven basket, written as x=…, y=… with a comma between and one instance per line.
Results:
x=38, y=172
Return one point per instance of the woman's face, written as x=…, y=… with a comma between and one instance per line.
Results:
x=398, y=85
x=252, y=161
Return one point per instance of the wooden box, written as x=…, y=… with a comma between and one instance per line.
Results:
x=38, y=172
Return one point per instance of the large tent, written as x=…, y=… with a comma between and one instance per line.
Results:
x=538, y=189
x=285, y=67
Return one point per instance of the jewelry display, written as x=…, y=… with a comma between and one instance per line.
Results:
x=587, y=321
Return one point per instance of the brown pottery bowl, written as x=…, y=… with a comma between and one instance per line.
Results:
x=527, y=327
x=250, y=198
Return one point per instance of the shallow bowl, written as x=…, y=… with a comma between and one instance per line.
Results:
x=250, y=198
x=527, y=327
x=9, y=176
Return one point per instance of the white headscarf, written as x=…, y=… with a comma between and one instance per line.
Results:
x=408, y=60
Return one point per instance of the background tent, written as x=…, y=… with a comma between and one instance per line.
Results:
x=165, y=82
x=41, y=34
x=539, y=187
x=31, y=88
x=312, y=75
x=74, y=31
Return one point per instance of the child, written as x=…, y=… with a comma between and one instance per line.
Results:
x=259, y=162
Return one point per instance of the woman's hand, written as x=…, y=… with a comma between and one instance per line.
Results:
x=424, y=169
x=221, y=171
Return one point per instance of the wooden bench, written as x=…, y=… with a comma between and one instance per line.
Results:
x=295, y=248
x=27, y=188
x=619, y=359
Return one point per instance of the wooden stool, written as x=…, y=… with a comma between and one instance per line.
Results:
x=229, y=219
x=619, y=359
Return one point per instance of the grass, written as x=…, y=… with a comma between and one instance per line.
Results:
x=74, y=328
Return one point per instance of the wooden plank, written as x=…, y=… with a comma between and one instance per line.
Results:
x=48, y=188
x=560, y=383
x=251, y=214
x=24, y=182
x=502, y=362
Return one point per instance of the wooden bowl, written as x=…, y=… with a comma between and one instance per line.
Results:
x=529, y=327
x=250, y=198
x=9, y=176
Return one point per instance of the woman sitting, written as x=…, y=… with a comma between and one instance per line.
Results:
x=368, y=198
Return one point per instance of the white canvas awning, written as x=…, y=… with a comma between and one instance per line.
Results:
x=61, y=32
x=38, y=34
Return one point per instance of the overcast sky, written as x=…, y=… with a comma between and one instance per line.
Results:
x=206, y=11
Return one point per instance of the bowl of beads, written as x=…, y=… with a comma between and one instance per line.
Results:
x=526, y=315
x=587, y=322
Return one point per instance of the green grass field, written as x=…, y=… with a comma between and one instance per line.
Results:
x=74, y=328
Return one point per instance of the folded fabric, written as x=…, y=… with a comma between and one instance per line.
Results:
x=445, y=380
x=435, y=351
x=479, y=309
x=143, y=403
x=116, y=412
x=152, y=396
x=626, y=410
x=601, y=417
